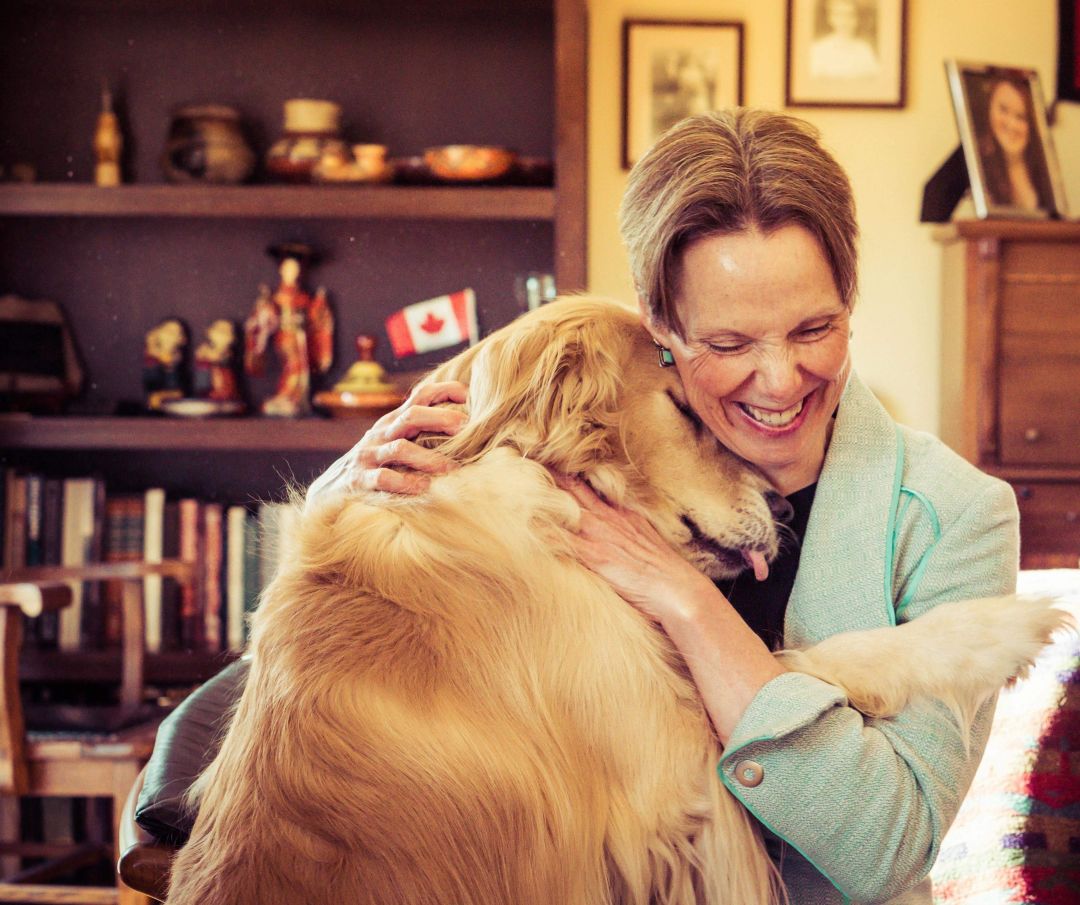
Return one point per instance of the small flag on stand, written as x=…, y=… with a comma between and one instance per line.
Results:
x=434, y=324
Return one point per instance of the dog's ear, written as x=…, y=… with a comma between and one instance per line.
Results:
x=547, y=384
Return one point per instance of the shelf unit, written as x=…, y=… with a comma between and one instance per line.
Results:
x=119, y=260
x=280, y=202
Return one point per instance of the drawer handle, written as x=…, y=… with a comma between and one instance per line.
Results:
x=1033, y=435
x=1025, y=493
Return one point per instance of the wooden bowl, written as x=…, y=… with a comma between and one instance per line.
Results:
x=469, y=163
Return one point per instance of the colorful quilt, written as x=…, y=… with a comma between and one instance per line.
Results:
x=1016, y=840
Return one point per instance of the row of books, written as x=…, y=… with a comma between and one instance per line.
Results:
x=74, y=521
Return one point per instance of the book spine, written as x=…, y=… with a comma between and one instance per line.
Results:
x=190, y=593
x=252, y=572
x=93, y=608
x=35, y=543
x=14, y=520
x=52, y=527
x=213, y=562
x=152, y=551
x=78, y=533
x=235, y=527
x=170, y=592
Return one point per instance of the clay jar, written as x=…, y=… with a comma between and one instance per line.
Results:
x=206, y=144
x=312, y=131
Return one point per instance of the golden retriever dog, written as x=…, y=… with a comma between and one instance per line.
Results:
x=444, y=706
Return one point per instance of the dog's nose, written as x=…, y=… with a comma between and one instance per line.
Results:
x=780, y=508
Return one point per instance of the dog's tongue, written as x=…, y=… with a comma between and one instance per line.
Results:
x=756, y=559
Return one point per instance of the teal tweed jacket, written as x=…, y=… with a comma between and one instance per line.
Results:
x=861, y=805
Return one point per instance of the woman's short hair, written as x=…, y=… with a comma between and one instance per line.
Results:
x=726, y=172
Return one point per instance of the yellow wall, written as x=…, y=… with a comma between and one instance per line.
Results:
x=888, y=154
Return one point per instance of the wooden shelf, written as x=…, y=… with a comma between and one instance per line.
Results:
x=172, y=667
x=280, y=202
x=175, y=434
x=1024, y=230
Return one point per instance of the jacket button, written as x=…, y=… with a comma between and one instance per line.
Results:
x=749, y=773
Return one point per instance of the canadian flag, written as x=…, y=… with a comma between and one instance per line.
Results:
x=434, y=324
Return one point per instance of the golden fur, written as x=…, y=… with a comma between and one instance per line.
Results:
x=445, y=707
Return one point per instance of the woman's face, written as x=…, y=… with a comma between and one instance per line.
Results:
x=1008, y=118
x=765, y=357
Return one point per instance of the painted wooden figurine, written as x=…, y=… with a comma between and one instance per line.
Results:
x=215, y=367
x=301, y=327
x=163, y=359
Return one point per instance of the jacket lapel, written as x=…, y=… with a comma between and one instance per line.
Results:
x=840, y=584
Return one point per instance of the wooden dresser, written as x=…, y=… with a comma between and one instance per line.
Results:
x=1011, y=370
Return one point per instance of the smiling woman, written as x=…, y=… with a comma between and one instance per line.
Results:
x=741, y=233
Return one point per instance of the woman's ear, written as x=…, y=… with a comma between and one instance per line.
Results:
x=660, y=335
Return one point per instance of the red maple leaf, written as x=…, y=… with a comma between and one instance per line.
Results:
x=432, y=324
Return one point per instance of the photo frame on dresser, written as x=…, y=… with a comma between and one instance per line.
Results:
x=846, y=53
x=1008, y=150
x=672, y=70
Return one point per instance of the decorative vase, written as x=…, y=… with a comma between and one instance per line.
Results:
x=206, y=144
x=312, y=131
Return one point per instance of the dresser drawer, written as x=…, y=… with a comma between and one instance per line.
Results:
x=1049, y=517
x=1039, y=378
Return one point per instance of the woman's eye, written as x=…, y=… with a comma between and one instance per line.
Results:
x=728, y=349
x=815, y=332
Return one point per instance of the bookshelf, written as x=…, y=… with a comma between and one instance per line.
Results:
x=119, y=260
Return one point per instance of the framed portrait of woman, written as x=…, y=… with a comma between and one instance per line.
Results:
x=1008, y=150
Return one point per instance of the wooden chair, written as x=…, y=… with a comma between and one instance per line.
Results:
x=144, y=861
x=74, y=764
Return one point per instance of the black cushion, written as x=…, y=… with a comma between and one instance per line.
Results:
x=187, y=741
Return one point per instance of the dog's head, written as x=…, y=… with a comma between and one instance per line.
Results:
x=576, y=386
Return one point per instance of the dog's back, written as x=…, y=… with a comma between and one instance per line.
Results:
x=444, y=708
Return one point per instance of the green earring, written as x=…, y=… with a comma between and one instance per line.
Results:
x=667, y=360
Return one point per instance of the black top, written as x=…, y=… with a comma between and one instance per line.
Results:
x=762, y=604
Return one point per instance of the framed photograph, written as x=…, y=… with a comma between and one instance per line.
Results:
x=1001, y=117
x=672, y=70
x=846, y=53
x=1068, y=87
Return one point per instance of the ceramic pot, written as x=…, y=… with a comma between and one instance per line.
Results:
x=312, y=132
x=206, y=144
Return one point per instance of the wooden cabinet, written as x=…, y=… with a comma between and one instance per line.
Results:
x=1011, y=370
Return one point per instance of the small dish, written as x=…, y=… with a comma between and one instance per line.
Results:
x=469, y=163
x=200, y=408
x=356, y=405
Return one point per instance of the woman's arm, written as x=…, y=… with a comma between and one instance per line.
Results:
x=868, y=801
x=865, y=801
x=385, y=458
x=729, y=663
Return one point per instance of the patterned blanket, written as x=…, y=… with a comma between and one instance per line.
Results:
x=1017, y=836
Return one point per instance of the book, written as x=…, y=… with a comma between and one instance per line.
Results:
x=14, y=519
x=123, y=543
x=153, y=551
x=35, y=542
x=92, y=625
x=236, y=518
x=52, y=525
x=170, y=591
x=252, y=572
x=190, y=628
x=212, y=563
x=77, y=539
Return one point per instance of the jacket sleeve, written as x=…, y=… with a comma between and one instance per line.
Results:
x=867, y=801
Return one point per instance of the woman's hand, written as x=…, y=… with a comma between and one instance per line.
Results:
x=386, y=458
x=624, y=548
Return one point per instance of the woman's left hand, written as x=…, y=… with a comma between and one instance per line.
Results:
x=622, y=547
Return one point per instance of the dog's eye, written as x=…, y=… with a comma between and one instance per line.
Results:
x=688, y=413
